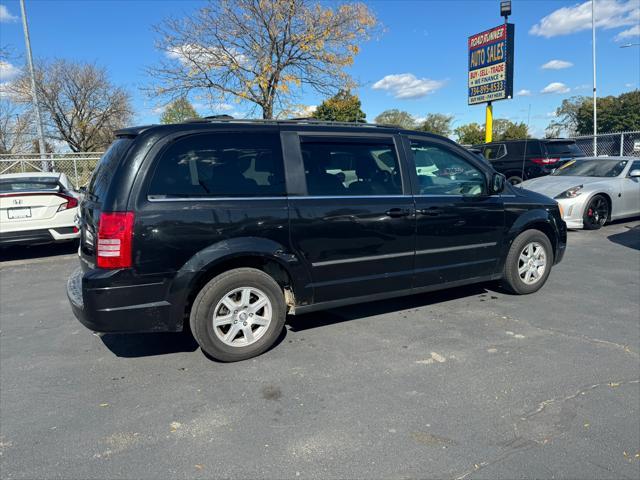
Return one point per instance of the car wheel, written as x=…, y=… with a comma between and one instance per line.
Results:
x=237, y=315
x=528, y=263
x=514, y=179
x=596, y=213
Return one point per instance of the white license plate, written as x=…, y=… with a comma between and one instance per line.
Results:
x=16, y=213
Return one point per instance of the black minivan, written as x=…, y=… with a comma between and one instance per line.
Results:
x=521, y=160
x=227, y=226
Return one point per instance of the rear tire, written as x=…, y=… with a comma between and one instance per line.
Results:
x=528, y=263
x=596, y=213
x=238, y=315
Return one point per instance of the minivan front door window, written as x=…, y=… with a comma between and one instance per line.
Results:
x=441, y=172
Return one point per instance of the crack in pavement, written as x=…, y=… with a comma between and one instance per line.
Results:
x=542, y=405
x=526, y=430
x=554, y=331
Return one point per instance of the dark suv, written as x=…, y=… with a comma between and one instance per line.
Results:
x=541, y=158
x=225, y=227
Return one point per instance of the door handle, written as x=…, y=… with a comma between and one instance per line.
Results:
x=397, y=212
x=431, y=211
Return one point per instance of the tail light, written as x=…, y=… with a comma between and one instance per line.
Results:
x=71, y=202
x=115, y=236
x=545, y=161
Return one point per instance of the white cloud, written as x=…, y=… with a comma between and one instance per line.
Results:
x=628, y=33
x=212, y=57
x=5, y=15
x=8, y=71
x=557, y=65
x=407, y=85
x=524, y=93
x=216, y=107
x=629, y=85
x=4, y=90
x=555, y=87
x=306, y=110
x=567, y=20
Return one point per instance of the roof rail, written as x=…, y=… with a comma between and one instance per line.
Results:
x=293, y=121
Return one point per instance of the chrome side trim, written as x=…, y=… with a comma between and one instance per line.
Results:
x=344, y=197
x=402, y=254
x=453, y=249
x=211, y=199
x=362, y=259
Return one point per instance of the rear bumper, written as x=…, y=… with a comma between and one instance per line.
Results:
x=34, y=237
x=120, y=307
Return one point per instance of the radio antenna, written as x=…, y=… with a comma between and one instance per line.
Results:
x=526, y=140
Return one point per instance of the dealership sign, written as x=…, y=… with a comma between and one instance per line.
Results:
x=491, y=65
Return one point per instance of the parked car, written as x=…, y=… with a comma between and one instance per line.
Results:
x=37, y=207
x=225, y=227
x=541, y=158
x=593, y=191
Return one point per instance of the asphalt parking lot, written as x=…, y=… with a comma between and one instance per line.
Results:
x=466, y=383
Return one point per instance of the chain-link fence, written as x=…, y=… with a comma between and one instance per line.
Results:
x=613, y=144
x=77, y=166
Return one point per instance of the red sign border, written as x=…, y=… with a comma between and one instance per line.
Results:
x=497, y=39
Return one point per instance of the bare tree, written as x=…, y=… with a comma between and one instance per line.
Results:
x=259, y=51
x=81, y=106
x=16, y=127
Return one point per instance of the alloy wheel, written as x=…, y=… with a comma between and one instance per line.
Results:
x=598, y=211
x=242, y=316
x=532, y=263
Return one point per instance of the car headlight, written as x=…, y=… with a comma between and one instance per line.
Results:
x=571, y=192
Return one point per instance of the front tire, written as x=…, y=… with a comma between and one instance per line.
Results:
x=596, y=213
x=528, y=263
x=514, y=179
x=238, y=315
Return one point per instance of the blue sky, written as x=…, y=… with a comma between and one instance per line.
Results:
x=422, y=51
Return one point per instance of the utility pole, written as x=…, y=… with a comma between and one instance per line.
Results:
x=34, y=91
x=595, y=97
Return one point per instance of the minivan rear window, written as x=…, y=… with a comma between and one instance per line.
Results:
x=563, y=148
x=221, y=164
x=106, y=168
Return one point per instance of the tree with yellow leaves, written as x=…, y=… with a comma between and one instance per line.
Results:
x=260, y=51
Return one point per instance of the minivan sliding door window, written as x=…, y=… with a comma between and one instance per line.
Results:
x=351, y=167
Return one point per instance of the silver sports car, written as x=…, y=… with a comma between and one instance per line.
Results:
x=593, y=191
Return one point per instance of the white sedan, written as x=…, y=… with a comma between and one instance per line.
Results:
x=37, y=207
x=593, y=191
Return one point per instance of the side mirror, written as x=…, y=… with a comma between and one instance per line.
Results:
x=635, y=173
x=498, y=181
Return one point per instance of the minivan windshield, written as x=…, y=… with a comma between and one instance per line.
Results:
x=591, y=168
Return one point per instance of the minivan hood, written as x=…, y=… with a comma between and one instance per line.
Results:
x=555, y=185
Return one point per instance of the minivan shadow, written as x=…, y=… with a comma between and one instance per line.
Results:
x=308, y=321
x=133, y=345
x=27, y=252
x=137, y=345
